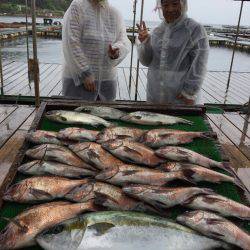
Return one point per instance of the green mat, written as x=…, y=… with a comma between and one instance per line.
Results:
x=203, y=146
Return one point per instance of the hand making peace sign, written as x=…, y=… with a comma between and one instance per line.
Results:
x=143, y=32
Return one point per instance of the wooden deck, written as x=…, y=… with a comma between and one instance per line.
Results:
x=232, y=129
x=214, y=89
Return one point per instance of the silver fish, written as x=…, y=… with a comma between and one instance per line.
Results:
x=162, y=197
x=36, y=189
x=157, y=138
x=149, y=118
x=43, y=137
x=95, y=155
x=215, y=226
x=50, y=152
x=189, y=156
x=71, y=117
x=132, y=152
x=124, y=231
x=221, y=205
x=41, y=168
x=112, y=133
x=77, y=134
x=22, y=230
x=101, y=111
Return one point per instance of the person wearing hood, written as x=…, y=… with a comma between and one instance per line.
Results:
x=176, y=55
x=94, y=43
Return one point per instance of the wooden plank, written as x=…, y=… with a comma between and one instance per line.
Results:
x=5, y=111
x=13, y=122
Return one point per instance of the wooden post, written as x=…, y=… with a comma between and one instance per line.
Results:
x=35, y=60
x=1, y=72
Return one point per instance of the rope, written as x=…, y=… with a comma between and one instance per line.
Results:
x=27, y=40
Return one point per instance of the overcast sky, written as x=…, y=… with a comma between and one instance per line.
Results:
x=204, y=11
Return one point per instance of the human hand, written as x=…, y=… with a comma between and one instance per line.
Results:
x=185, y=100
x=89, y=84
x=143, y=32
x=113, y=53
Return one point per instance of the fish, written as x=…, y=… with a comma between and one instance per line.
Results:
x=37, y=189
x=40, y=168
x=157, y=138
x=23, y=229
x=103, y=112
x=131, y=174
x=50, y=152
x=71, y=117
x=108, y=196
x=43, y=137
x=154, y=119
x=77, y=134
x=113, y=230
x=95, y=155
x=133, y=152
x=164, y=197
x=219, y=204
x=215, y=226
x=181, y=154
x=112, y=133
x=196, y=173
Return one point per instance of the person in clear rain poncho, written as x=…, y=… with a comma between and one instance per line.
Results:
x=94, y=43
x=176, y=53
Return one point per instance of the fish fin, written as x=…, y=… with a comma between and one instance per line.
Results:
x=186, y=121
x=239, y=183
x=211, y=200
x=101, y=228
x=132, y=151
x=158, y=204
x=92, y=154
x=107, y=173
x=189, y=201
x=188, y=174
x=101, y=199
x=129, y=172
x=209, y=135
x=214, y=221
x=216, y=235
x=123, y=137
x=17, y=223
x=37, y=193
x=136, y=117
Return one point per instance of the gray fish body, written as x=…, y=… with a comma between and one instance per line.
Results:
x=41, y=168
x=212, y=225
x=70, y=117
x=103, y=112
x=221, y=205
x=149, y=118
x=95, y=155
x=43, y=137
x=157, y=138
x=113, y=133
x=132, y=152
x=123, y=231
x=50, y=152
x=22, y=230
x=77, y=134
x=163, y=197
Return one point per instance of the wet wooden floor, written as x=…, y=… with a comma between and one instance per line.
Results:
x=232, y=129
x=214, y=89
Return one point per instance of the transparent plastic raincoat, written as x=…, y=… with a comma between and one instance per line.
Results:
x=88, y=30
x=176, y=55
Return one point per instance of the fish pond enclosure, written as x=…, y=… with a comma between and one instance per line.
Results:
x=231, y=145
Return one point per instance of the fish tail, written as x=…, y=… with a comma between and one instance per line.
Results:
x=239, y=183
x=209, y=135
x=226, y=166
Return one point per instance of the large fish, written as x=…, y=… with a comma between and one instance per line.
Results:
x=112, y=133
x=133, y=152
x=195, y=173
x=124, y=231
x=124, y=174
x=185, y=155
x=157, y=138
x=22, y=230
x=101, y=111
x=95, y=155
x=70, y=117
x=50, y=152
x=108, y=196
x=40, y=168
x=77, y=134
x=43, y=137
x=220, y=204
x=163, y=197
x=36, y=189
x=149, y=118
x=215, y=226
